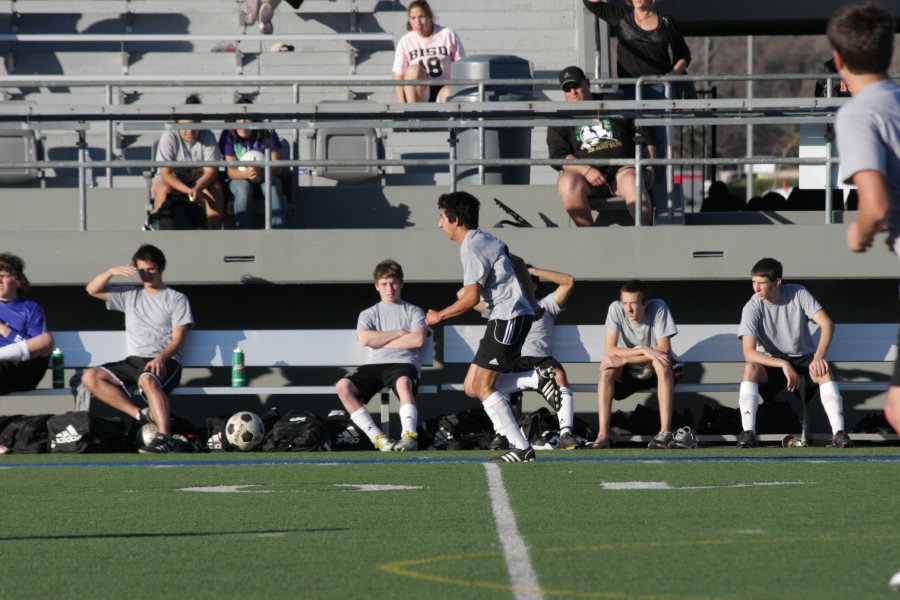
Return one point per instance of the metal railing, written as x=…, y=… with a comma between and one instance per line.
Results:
x=451, y=116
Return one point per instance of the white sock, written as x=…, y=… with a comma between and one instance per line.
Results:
x=409, y=418
x=509, y=383
x=497, y=407
x=363, y=420
x=566, y=414
x=15, y=352
x=748, y=401
x=833, y=405
x=498, y=428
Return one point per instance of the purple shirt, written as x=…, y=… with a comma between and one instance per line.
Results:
x=24, y=317
x=235, y=146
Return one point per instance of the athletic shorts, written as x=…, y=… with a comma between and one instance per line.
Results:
x=895, y=378
x=627, y=385
x=433, y=92
x=370, y=379
x=529, y=363
x=608, y=189
x=128, y=372
x=501, y=345
x=23, y=376
x=777, y=381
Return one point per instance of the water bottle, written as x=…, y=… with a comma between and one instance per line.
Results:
x=237, y=368
x=58, y=365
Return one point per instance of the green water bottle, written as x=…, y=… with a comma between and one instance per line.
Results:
x=58, y=365
x=237, y=368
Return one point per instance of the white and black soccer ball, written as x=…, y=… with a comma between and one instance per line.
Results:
x=251, y=156
x=640, y=371
x=146, y=433
x=245, y=431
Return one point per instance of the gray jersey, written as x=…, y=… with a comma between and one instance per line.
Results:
x=485, y=261
x=150, y=317
x=391, y=316
x=539, y=343
x=781, y=328
x=172, y=147
x=656, y=324
x=868, y=137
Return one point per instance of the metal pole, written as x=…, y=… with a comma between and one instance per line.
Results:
x=749, y=167
x=82, y=186
x=267, y=184
x=451, y=166
x=481, y=138
x=829, y=176
x=109, y=139
x=638, y=182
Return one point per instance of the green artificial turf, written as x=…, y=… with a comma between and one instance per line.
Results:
x=303, y=526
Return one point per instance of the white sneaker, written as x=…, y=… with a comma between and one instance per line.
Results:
x=384, y=443
x=409, y=442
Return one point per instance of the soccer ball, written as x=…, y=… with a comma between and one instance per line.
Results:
x=895, y=582
x=640, y=371
x=245, y=431
x=146, y=433
x=251, y=156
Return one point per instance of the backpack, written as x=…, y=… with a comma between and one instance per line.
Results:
x=297, y=431
x=24, y=435
x=80, y=431
x=343, y=434
x=466, y=430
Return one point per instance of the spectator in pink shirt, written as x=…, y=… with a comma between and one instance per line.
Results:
x=426, y=52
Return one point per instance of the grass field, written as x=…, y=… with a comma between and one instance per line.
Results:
x=706, y=524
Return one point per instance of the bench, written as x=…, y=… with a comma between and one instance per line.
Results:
x=852, y=343
x=213, y=348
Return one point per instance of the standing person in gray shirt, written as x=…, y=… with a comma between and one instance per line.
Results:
x=157, y=319
x=779, y=350
x=490, y=274
x=394, y=331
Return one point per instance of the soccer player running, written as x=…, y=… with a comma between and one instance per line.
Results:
x=157, y=319
x=490, y=274
x=868, y=135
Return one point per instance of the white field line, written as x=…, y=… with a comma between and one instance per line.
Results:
x=522, y=578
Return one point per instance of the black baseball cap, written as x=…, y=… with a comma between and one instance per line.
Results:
x=571, y=74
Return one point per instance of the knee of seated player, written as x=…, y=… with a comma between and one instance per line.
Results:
x=824, y=378
x=625, y=185
x=91, y=379
x=404, y=384
x=754, y=372
x=149, y=383
x=345, y=389
x=572, y=185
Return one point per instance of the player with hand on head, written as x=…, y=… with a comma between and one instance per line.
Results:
x=157, y=320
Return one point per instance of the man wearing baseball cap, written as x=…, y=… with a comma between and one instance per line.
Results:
x=583, y=187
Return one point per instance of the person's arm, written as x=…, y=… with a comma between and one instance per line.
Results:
x=480, y=308
x=608, y=12
x=470, y=296
x=681, y=53
x=524, y=278
x=97, y=287
x=409, y=340
x=873, y=210
x=157, y=365
x=752, y=355
x=819, y=366
x=372, y=338
x=565, y=283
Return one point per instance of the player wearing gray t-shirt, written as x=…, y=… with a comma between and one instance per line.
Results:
x=868, y=135
x=639, y=356
x=394, y=332
x=779, y=350
x=157, y=319
x=492, y=275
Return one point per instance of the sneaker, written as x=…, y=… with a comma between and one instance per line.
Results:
x=662, y=441
x=158, y=445
x=499, y=442
x=409, y=441
x=841, y=440
x=747, y=439
x=548, y=388
x=145, y=416
x=567, y=441
x=265, y=19
x=384, y=443
x=685, y=438
x=516, y=455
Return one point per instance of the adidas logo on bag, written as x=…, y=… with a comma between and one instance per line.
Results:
x=67, y=436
